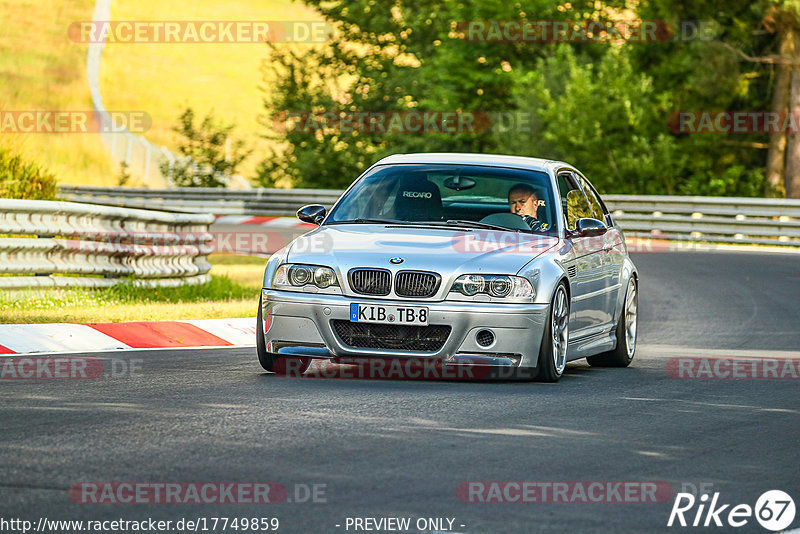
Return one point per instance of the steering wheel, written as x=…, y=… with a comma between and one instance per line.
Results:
x=509, y=220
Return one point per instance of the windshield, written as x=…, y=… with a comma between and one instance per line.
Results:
x=458, y=195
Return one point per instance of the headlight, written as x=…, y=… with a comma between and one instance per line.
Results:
x=325, y=277
x=297, y=275
x=500, y=286
x=300, y=275
x=494, y=285
x=470, y=285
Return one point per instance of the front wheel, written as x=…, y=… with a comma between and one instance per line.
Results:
x=622, y=355
x=280, y=365
x=553, y=351
x=265, y=358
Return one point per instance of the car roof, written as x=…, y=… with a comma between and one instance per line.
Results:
x=492, y=160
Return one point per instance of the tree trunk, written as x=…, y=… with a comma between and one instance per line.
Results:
x=792, y=175
x=776, y=157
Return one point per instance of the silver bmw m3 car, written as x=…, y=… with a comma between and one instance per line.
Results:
x=499, y=262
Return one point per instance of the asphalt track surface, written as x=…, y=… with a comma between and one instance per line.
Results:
x=394, y=448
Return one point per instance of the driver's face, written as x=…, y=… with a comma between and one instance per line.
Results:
x=523, y=203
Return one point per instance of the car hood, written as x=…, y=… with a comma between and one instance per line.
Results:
x=443, y=250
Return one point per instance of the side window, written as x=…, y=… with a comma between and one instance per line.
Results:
x=573, y=201
x=564, y=185
x=577, y=208
x=597, y=209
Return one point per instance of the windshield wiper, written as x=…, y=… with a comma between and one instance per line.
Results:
x=449, y=223
x=395, y=222
x=368, y=221
x=476, y=224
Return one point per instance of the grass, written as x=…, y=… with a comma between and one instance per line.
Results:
x=247, y=271
x=235, y=259
x=165, y=78
x=42, y=69
x=232, y=292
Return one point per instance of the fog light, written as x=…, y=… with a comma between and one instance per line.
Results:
x=485, y=338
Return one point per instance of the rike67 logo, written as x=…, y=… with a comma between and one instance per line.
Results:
x=774, y=510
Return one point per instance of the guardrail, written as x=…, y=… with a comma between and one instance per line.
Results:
x=712, y=219
x=42, y=243
x=270, y=202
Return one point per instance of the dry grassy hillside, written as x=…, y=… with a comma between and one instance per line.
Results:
x=41, y=68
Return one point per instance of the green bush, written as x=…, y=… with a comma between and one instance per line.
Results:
x=205, y=162
x=24, y=179
x=602, y=117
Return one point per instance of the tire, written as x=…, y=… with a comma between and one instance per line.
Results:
x=280, y=365
x=290, y=365
x=626, y=332
x=266, y=359
x=553, y=350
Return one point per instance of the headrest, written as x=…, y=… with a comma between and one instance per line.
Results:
x=418, y=200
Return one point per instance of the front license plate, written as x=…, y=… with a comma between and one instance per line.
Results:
x=370, y=313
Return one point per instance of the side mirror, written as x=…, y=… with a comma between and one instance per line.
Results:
x=313, y=213
x=590, y=227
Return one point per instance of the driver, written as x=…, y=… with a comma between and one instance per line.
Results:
x=524, y=202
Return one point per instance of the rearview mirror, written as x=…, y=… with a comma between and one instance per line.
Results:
x=590, y=227
x=313, y=213
x=459, y=183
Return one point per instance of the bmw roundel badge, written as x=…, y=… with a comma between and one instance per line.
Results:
x=396, y=261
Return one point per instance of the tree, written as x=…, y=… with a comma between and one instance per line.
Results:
x=728, y=65
x=398, y=58
x=602, y=117
x=210, y=154
x=605, y=105
x=783, y=161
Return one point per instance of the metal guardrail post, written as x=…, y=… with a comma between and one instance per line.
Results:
x=66, y=244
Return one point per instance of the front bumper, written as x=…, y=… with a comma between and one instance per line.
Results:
x=300, y=324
